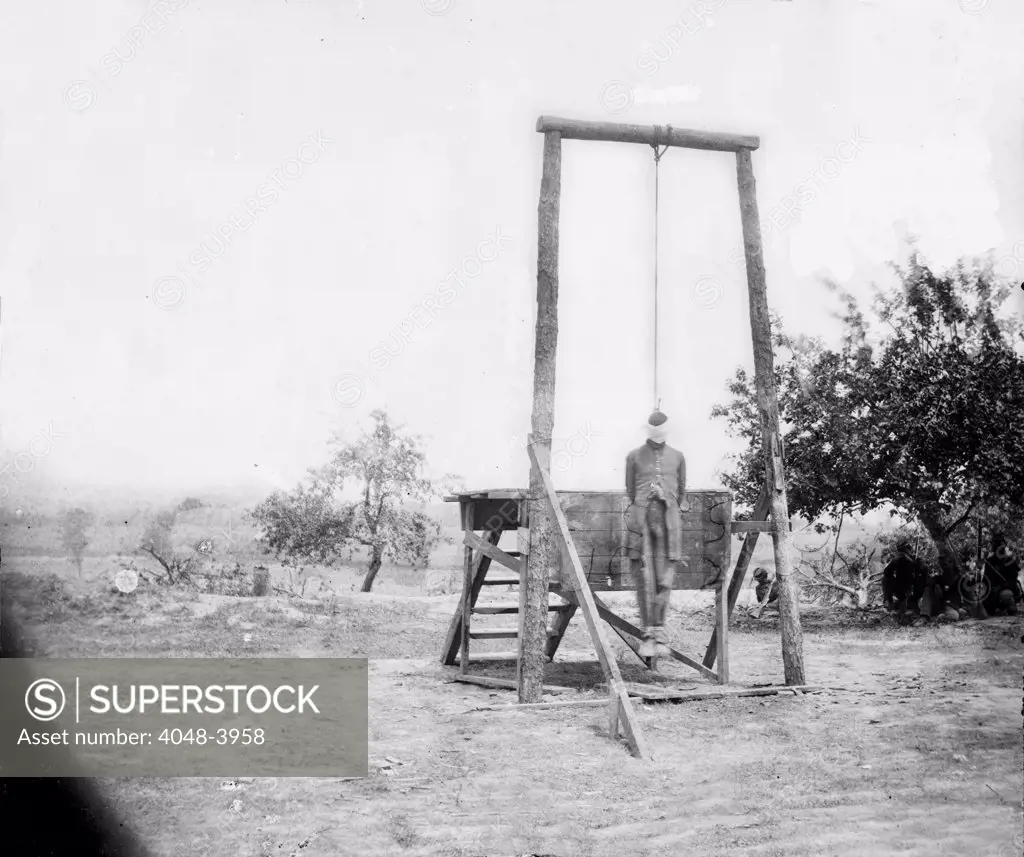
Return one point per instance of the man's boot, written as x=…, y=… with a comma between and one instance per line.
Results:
x=661, y=648
x=648, y=648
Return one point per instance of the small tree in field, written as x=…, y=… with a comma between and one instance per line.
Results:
x=157, y=541
x=74, y=536
x=385, y=470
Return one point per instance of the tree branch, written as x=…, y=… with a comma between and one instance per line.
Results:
x=963, y=517
x=157, y=557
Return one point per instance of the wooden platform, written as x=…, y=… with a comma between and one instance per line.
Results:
x=598, y=541
x=598, y=523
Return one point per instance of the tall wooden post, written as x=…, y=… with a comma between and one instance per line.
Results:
x=768, y=406
x=739, y=573
x=544, y=550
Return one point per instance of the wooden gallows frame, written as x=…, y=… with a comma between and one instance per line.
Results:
x=549, y=538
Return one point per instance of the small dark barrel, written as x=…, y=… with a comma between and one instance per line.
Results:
x=260, y=581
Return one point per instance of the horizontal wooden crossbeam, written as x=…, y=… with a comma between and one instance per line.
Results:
x=614, y=132
x=508, y=609
x=753, y=526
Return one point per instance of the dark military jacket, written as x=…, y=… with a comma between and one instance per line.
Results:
x=655, y=464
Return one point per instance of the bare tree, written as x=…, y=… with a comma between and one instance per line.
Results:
x=855, y=581
x=157, y=542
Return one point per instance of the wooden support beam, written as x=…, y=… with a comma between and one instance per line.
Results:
x=620, y=708
x=768, y=406
x=754, y=526
x=629, y=637
x=533, y=706
x=620, y=624
x=722, y=630
x=558, y=628
x=468, y=574
x=543, y=547
x=495, y=553
x=739, y=573
x=658, y=695
x=616, y=132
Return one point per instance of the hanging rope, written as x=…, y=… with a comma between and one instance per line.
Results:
x=657, y=181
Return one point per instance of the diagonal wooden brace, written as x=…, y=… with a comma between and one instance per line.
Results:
x=488, y=549
x=620, y=708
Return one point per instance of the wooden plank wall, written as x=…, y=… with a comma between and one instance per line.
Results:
x=597, y=521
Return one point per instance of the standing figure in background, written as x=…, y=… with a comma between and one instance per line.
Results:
x=655, y=485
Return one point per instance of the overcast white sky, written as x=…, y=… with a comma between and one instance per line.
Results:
x=432, y=118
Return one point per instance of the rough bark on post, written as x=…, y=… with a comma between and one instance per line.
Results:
x=768, y=406
x=544, y=550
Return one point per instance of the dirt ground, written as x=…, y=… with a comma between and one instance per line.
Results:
x=915, y=749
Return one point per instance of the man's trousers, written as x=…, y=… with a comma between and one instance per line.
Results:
x=662, y=528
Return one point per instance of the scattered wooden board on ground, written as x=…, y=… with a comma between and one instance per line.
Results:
x=667, y=694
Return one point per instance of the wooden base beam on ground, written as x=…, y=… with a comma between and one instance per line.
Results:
x=645, y=694
x=528, y=706
x=662, y=694
x=503, y=683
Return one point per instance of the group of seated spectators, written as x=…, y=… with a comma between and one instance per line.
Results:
x=992, y=590
x=907, y=587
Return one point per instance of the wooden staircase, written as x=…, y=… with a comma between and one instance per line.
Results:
x=486, y=574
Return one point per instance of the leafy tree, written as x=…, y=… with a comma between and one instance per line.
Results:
x=315, y=523
x=919, y=409
x=73, y=528
x=158, y=542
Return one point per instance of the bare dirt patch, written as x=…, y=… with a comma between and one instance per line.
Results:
x=919, y=753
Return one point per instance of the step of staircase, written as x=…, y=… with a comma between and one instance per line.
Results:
x=489, y=657
x=504, y=609
x=499, y=634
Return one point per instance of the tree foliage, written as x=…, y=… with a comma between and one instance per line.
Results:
x=385, y=471
x=919, y=408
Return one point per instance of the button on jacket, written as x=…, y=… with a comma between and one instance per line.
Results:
x=655, y=464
